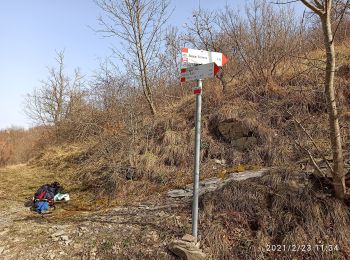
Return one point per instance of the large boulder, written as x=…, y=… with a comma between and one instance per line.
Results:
x=233, y=129
x=237, y=133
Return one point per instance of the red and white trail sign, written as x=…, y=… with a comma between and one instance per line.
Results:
x=199, y=72
x=192, y=56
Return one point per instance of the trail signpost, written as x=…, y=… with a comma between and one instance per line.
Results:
x=199, y=72
x=199, y=65
x=192, y=56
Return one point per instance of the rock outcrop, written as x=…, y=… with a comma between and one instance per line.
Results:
x=237, y=133
x=215, y=183
x=187, y=248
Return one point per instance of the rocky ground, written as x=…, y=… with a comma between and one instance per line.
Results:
x=135, y=231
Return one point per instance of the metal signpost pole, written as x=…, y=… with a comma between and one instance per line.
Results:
x=204, y=64
x=197, y=159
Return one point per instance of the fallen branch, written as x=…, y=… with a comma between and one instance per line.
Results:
x=312, y=141
x=312, y=159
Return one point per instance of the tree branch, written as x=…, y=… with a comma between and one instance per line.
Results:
x=315, y=9
x=311, y=139
x=312, y=159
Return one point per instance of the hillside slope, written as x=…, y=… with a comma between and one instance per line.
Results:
x=248, y=219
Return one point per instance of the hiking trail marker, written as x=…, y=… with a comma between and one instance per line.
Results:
x=199, y=65
x=192, y=56
x=199, y=72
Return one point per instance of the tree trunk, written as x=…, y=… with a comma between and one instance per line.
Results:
x=335, y=135
x=143, y=66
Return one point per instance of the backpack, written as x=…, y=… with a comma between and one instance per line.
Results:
x=44, y=196
x=41, y=192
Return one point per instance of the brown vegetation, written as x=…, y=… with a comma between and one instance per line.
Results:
x=268, y=108
x=272, y=89
x=18, y=145
x=284, y=208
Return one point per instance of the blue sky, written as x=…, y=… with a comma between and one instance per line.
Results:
x=32, y=30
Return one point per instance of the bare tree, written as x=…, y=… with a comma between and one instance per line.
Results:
x=109, y=87
x=53, y=101
x=138, y=24
x=171, y=57
x=264, y=39
x=324, y=11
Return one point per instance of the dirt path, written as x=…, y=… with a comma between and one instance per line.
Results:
x=133, y=232
x=136, y=231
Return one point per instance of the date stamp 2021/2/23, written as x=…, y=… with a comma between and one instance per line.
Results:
x=302, y=248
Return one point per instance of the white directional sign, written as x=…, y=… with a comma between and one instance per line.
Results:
x=199, y=72
x=191, y=56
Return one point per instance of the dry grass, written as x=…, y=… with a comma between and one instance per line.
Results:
x=24, y=180
x=282, y=208
x=60, y=156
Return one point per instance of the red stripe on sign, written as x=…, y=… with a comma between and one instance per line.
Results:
x=184, y=50
x=216, y=69
x=197, y=91
x=183, y=70
x=183, y=79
